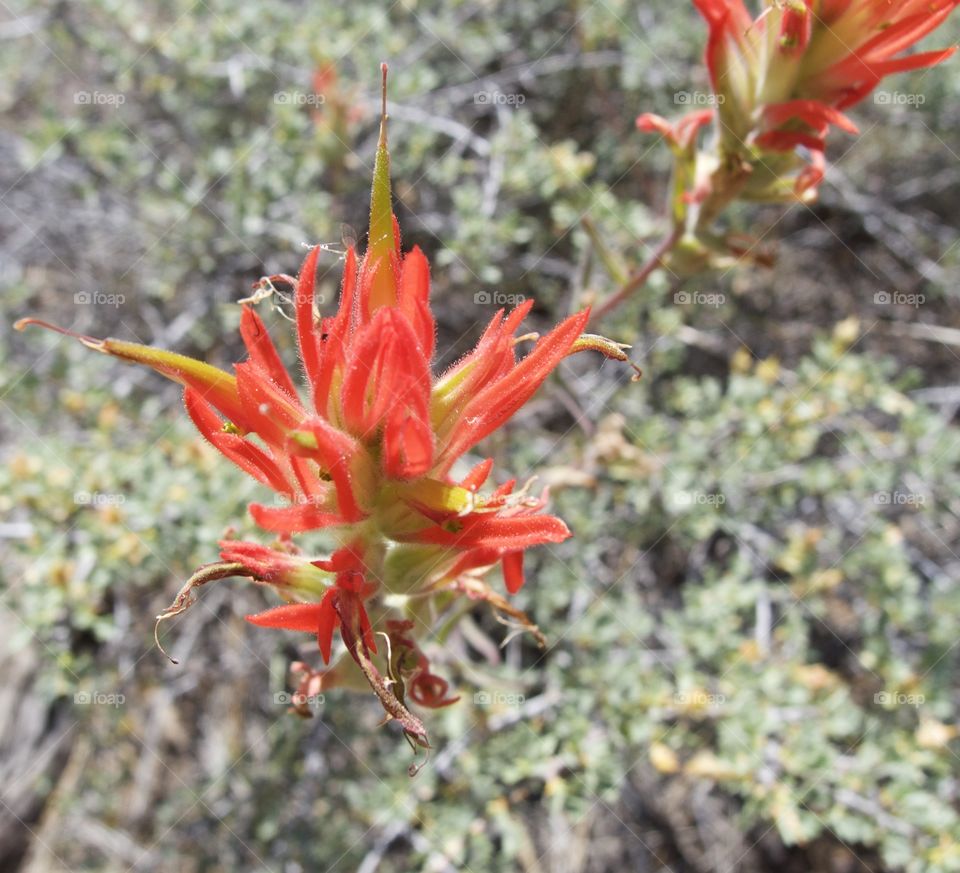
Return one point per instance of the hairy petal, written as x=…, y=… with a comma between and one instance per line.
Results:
x=293, y=519
x=303, y=306
x=248, y=457
x=262, y=350
x=513, y=571
x=495, y=532
x=495, y=404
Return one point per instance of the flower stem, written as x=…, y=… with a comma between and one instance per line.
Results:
x=639, y=278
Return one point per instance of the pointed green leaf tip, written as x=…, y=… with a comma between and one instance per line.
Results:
x=380, y=241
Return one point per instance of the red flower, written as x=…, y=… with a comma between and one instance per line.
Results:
x=339, y=602
x=849, y=46
x=780, y=83
x=368, y=450
x=783, y=78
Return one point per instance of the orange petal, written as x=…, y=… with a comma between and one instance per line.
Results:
x=513, y=571
x=291, y=616
x=262, y=350
x=248, y=457
x=293, y=519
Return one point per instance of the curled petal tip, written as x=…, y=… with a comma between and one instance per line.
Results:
x=595, y=343
x=24, y=323
x=650, y=122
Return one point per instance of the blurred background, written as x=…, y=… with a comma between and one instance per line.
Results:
x=752, y=639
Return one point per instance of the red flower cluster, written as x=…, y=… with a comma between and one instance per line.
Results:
x=780, y=82
x=786, y=76
x=367, y=455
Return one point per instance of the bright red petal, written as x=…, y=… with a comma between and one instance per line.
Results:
x=335, y=452
x=303, y=305
x=513, y=571
x=327, y=624
x=265, y=563
x=415, y=298
x=818, y=115
x=494, y=532
x=262, y=350
x=495, y=404
x=478, y=475
x=291, y=616
x=407, y=445
x=248, y=457
x=788, y=140
x=293, y=519
x=269, y=410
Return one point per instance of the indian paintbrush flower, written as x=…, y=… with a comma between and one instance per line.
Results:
x=780, y=82
x=365, y=452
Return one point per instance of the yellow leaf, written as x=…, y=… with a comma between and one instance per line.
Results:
x=935, y=735
x=707, y=765
x=663, y=758
x=846, y=332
